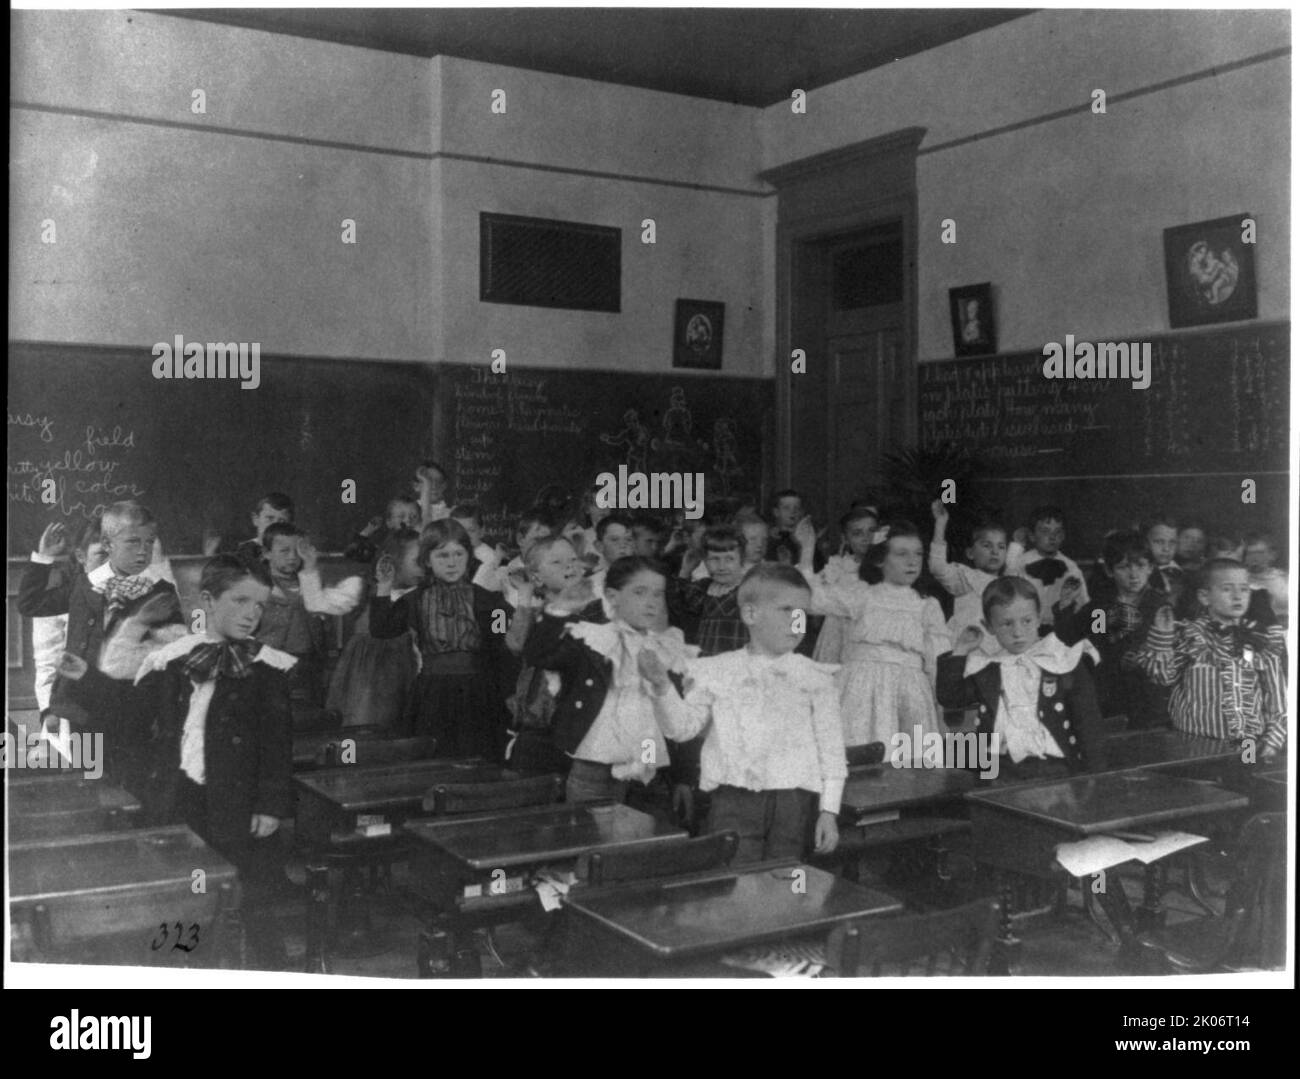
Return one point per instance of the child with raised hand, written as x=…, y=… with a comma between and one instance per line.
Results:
x=773, y=753
x=1227, y=670
x=1033, y=693
x=374, y=679
x=274, y=507
x=456, y=695
x=402, y=512
x=1167, y=575
x=1056, y=576
x=117, y=614
x=886, y=683
x=604, y=716
x=291, y=621
x=555, y=578
x=857, y=530
x=1265, y=576
x=44, y=595
x=430, y=488
x=988, y=553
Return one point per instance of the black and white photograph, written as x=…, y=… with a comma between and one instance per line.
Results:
x=390, y=604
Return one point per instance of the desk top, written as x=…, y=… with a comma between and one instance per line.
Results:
x=540, y=835
x=113, y=862
x=1162, y=748
x=1093, y=804
x=70, y=793
x=309, y=746
x=730, y=909
x=358, y=789
x=882, y=787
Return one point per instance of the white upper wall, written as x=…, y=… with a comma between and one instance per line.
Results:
x=1065, y=217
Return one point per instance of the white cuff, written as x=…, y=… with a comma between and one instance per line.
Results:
x=832, y=792
x=43, y=559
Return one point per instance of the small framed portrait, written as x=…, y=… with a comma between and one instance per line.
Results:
x=1210, y=271
x=697, y=334
x=973, y=332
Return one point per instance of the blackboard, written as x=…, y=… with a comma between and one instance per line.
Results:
x=1218, y=401
x=199, y=452
x=1216, y=413
x=505, y=437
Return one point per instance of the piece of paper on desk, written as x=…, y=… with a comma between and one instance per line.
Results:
x=781, y=960
x=551, y=885
x=1098, y=852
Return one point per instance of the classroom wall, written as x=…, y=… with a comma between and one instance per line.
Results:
x=222, y=226
x=226, y=226
x=578, y=150
x=1065, y=216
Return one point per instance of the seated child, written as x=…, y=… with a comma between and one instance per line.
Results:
x=1228, y=671
x=1044, y=566
x=786, y=514
x=1191, y=547
x=534, y=524
x=1033, y=692
x=614, y=540
x=430, y=490
x=1116, y=622
x=373, y=682
x=290, y=622
x=604, y=718
x=647, y=535
x=402, y=512
x=117, y=614
x=484, y=558
x=1260, y=555
x=773, y=754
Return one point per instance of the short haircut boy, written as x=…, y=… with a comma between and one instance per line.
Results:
x=280, y=528
x=1005, y=591
x=122, y=515
x=604, y=524
x=1121, y=547
x=764, y=577
x=277, y=500
x=222, y=573
x=1045, y=513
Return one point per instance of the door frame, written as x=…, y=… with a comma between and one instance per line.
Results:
x=839, y=192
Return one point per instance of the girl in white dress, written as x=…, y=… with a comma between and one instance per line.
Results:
x=895, y=636
x=858, y=529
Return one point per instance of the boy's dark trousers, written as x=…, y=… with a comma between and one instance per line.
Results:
x=771, y=824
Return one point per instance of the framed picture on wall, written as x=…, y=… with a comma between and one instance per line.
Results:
x=697, y=334
x=1210, y=271
x=973, y=331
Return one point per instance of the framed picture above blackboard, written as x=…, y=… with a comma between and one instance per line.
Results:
x=973, y=332
x=1210, y=271
x=697, y=334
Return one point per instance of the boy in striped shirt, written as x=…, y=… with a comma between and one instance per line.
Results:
x=1228, y=672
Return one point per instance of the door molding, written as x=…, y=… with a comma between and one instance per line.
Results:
x=839, y=191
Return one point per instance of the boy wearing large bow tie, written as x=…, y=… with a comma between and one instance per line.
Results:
x=1033, y=693
x=1056, y=577
x=1228, y=671
x=773, y=754
x=117, y=614
x=217, y=703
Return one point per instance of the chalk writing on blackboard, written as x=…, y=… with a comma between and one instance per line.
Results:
x=83, y=470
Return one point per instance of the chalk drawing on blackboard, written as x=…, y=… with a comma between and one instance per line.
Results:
x=677, y=420
x=635, y=440
x=726, y=464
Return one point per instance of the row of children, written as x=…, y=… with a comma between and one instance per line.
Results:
x=622, y=655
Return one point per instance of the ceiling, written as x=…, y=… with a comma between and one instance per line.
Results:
x=744, y=56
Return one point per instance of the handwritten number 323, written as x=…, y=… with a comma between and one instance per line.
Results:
x=187, y=938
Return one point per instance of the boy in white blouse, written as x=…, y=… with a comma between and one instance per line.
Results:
x=773, y=747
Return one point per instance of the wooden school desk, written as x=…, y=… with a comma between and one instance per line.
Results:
x=1017, y=828
x=1170, y=750
x=476, y=871
x=127, y=898
x=330, y=800
x=66, y=805
x=646, y=929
